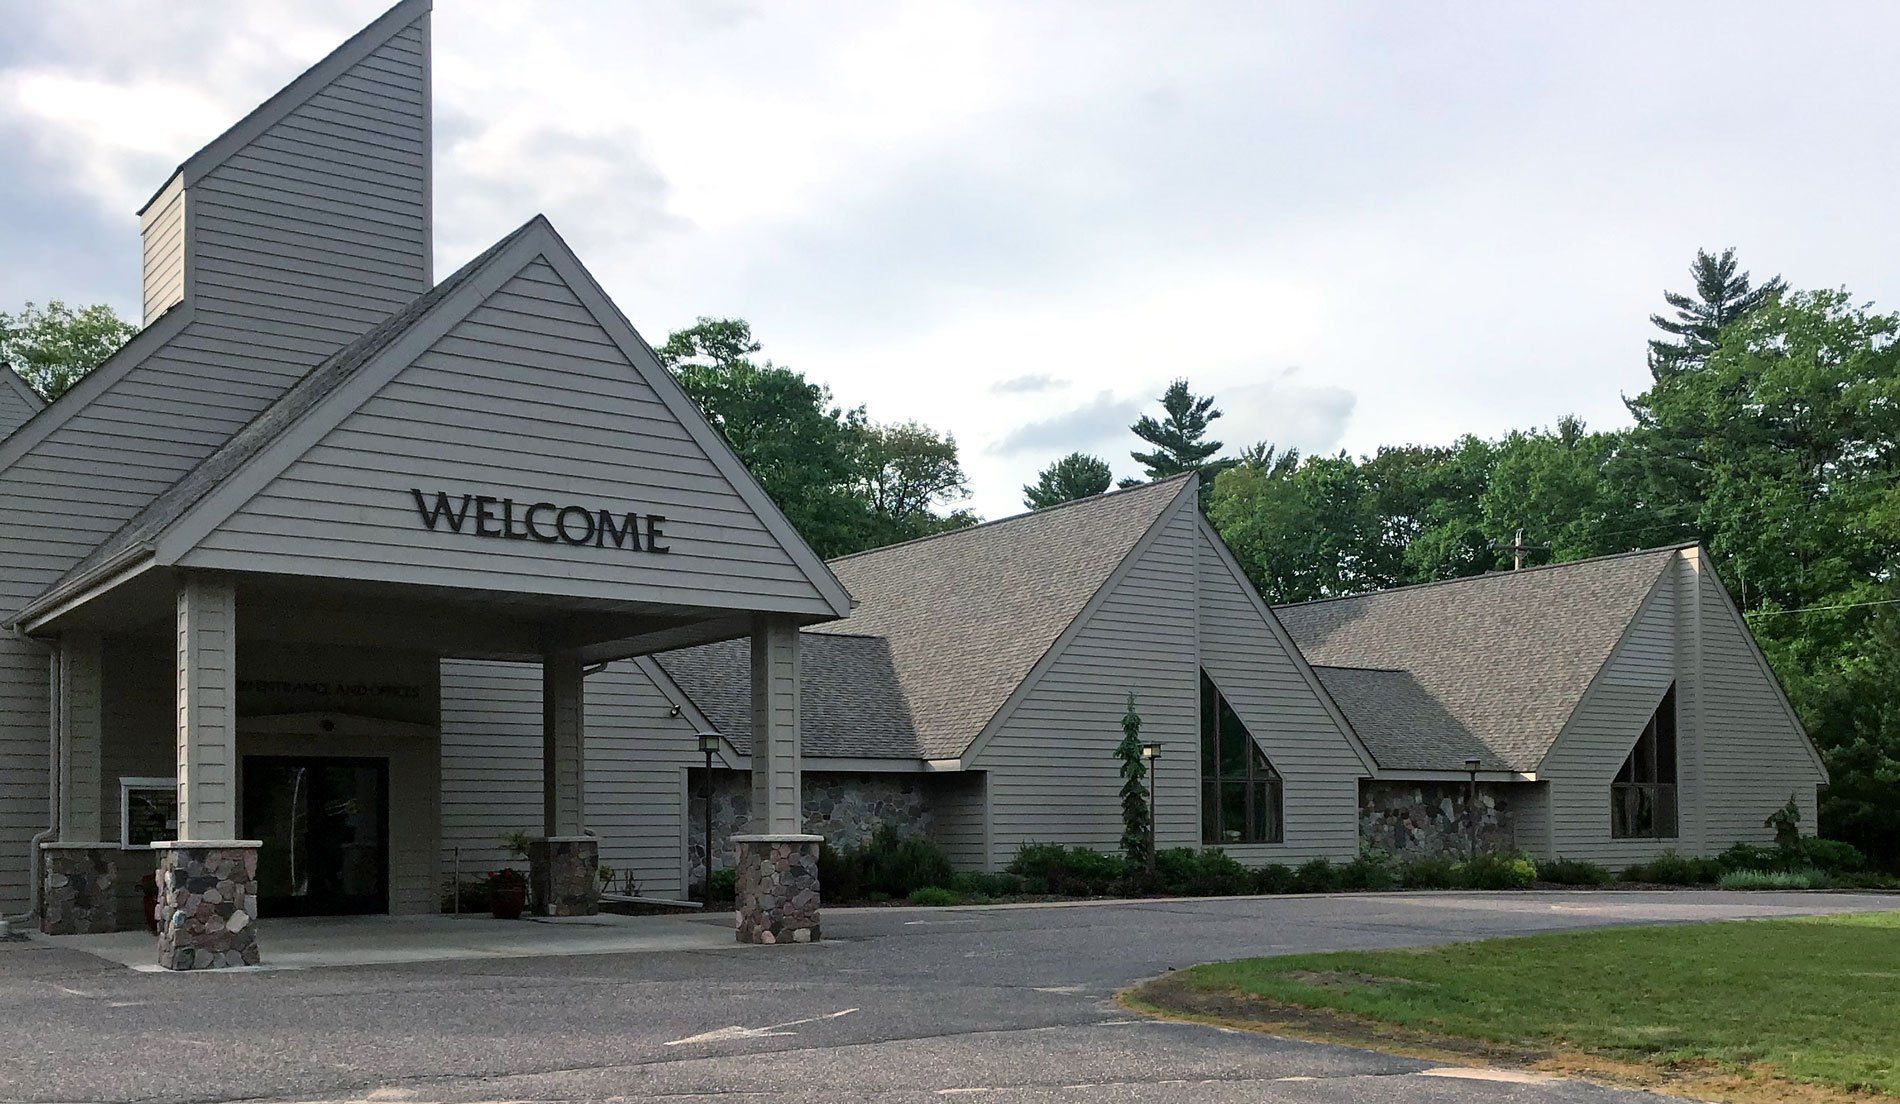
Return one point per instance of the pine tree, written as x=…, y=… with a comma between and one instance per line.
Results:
x=1136, y=816
x=1077, y=475
x=1721, y=296
x=1179, y=440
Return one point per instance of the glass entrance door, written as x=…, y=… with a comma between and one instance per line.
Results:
x=324, y=823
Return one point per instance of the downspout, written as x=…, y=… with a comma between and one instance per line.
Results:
x=35, y=856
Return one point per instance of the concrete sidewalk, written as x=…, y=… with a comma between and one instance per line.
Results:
x=299, y=943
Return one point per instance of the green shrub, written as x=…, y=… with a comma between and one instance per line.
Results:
x=723, y=885
x=976, y=884
x=933, y=896
x=1749, y=856
x=1573, y=872
x=1811, y=878
x=1670, y=868
x=1273, y=878
x=896, y=864
x=840, y=873
x=1316, y=876
x=1497, y=872
x=1833, y=856
x=1429, y=874
x=1371, y=870
x=1071, y=871
x=1194, y=872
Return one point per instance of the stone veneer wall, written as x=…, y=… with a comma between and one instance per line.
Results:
x=563, y=876
x=77, y=897
x=777, y=889
x=1420, y=820
x=846, y=809
x=206, y=905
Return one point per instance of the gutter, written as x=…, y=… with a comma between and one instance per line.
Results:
x=104, y=576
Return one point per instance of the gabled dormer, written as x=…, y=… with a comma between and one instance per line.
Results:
x=309, y=221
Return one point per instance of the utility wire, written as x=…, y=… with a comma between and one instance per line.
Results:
x=1819, y=609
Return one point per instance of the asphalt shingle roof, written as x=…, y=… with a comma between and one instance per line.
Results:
x=958, y=619
x=850, y=704
x=1492, y=665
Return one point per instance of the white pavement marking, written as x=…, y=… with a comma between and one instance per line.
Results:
x=1063, y=989
x=1514, y=1077
x=923, y=923
x=720, y=1035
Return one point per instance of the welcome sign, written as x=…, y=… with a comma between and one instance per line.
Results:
x=506, y=519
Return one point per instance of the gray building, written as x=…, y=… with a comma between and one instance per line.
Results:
x=336, y=576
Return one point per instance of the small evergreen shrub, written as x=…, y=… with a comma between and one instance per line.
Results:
x=1429, y=874
x=1670, y=868
x=933, y=896
x=1371, y=870
x=1573, y=872
x=1833, y=856
x=1068, y=871
x=1191, y=872
x=1497, y=872
x=1749, y=856
x=977, y=884
x=1810, y=878
x=723, y=885
x=896, y=864
x=1316, y=876
x=1273, y=878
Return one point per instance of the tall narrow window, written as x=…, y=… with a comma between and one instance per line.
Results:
x=1643, y=797
x=1240, y=790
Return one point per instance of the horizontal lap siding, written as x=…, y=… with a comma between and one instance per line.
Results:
x=15, y=410
x=529, y=399
x=1255, y=668
x=491, y=769
x=162, y=230
x=1053, y=777
x=1753, y=757
x=957, y=817
x=1598, y=738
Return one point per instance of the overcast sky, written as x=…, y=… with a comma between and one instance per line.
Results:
x=1354, y=225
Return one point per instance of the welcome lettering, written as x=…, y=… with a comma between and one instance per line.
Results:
x=505, y=519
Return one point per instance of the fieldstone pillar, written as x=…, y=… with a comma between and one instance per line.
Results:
x=207, y=880
x=77, y=872
x=777, y=883
x=564, y=865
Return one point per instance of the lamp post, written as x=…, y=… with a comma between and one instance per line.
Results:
x=708, y=744
x=1471, y=802
x=1150, y=755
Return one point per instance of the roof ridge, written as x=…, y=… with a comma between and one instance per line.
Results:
x=1359, y=667
x=1016, y=517
x=1488, y=575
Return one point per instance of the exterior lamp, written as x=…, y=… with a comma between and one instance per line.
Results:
x=1471, y=801
x=1150, y=755
x=708, y=745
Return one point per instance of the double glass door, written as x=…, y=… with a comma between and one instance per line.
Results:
x=324, y=823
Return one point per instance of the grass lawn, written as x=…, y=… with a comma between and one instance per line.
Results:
x=1749, y=1005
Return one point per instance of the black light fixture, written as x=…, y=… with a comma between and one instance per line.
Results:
x=1471, y=802
x=708, y=746
x=1150, y=755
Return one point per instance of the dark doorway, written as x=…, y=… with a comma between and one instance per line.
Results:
x=324, y=823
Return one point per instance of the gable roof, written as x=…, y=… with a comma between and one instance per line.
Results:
x=18, y=401
x=850, y=704
x=180, y=516
x=1491, y=666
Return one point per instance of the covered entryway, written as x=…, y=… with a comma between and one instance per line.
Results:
x=322, y=826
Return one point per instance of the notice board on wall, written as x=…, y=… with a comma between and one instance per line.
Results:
x=148, y=811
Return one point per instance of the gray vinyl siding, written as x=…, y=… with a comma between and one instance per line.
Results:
x=1254, y=665
x=317, y=228
x=527, y=398
x=1738, y=754
x=186, y=384
x=1753, y=754
x=16, y=409
x=959, y=809
x=1530, y=817
x=1053, y=776
x=491, y=769
x=162, y=234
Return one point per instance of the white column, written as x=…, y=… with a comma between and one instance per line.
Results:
x=775, y=774
x=563, y=745
x=207, y=709
x=81, y=733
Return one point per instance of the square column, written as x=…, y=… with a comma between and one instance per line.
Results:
x=78, y=871
x=207, y=880
x=564, y=865
x=778, y=863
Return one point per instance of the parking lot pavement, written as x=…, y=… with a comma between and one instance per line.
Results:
x=996, y=1003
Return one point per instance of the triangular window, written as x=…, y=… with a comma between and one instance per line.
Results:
x=1241, y=793
x=1643, y=797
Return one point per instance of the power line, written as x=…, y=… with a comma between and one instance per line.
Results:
x=1818, y=609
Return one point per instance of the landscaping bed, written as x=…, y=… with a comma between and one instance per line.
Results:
x=1805, y=1009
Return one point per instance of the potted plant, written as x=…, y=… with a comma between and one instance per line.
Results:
x=507, y=893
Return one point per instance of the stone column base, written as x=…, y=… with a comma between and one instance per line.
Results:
x=76, y=888
x=564, y=876
x=778, y=888
x=207, y=904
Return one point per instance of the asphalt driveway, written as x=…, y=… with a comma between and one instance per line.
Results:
x=995, y=1004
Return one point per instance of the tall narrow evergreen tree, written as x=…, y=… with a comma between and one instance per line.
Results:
x=1137, y=818
x=1180, y=439
x=1077, y=475
x=1722, y=295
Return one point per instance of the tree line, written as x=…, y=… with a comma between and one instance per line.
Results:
x=1770, y=433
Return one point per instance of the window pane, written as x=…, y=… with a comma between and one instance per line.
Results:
x=1272, y=826
x=1210, y=812
x=1666, y=738
x=1234, y=742
x=1210, y=728
x=1233, y=812
x=1665, y=804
